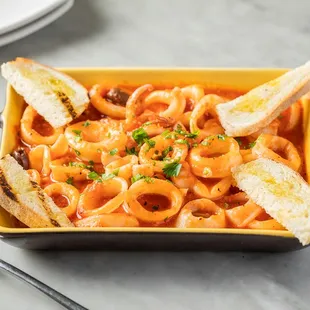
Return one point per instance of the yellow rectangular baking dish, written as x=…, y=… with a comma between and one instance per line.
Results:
x=148, y=238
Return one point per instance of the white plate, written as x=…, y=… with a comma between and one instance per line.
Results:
x=35, y=25
x=16, y=13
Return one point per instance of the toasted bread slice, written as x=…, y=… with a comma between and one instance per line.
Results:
x=54, y=95
x=281, y=191
x=259, y=107
x=25, y=199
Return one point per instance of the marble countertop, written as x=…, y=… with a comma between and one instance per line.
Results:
x=221, y=33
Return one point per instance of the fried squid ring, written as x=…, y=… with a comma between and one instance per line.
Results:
x=31, y=136
x=185, y=179
x=40, y=159
x=185, y=119
x=201, y=213
x=266, y=224
x=215, y=157
x=174, y=99
x=212, y=188
x=66, y=190
x=290, y=118
x=278, y=149
x=62, y=171
x=143, y=169
x=193, y=93
x=60, y=147
x=88, y=142
x=153, y=155
x=122, y=167
x=97, y=99
x=134, y=104
x=102, y=197
x=242, y=215
x=206, y=106
x=155, y=187
x=34, y=175
x=108, y=220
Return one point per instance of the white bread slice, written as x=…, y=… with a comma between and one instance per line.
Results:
x=281, y=191
x=25, y=199
x=259, y=107
x=54, y=95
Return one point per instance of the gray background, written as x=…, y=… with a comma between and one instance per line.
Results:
x=167, y=33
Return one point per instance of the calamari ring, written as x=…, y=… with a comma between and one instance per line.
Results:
x=205, y=165
x=201, y=207
x=143, y=169
x=61, y=172
x=206, y=106
x=149, y=155
x=271, y=129
x=267, y=146
x=207, y=188
x=40, y=159
x=290, y=118
x=60, y=147
x=122, y=167
x=193, y=93
x=270, y=224
x=31, y=136
x=248, y=155
x=99, y=135
x=67, y=190
x=102, y=197
x=185, y=179
x=241, y=216
x=134, y=104
x=174, y=99
x=156, y=187
x=97, y=94
x=108, y=220
x=185, y=119
x=34, y=175
x=236, y=198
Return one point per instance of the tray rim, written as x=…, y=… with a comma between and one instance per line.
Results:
x=11, y=231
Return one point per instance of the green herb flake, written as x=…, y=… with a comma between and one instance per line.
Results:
x=238, y=140
x=150, y=143
x=86, y=124
x=195, y=144
x=93, y=175
x=107, y=176
x=140, y=135
x=98, y=150
x=139, y=176
x=182, y=141
x=166, y=219
x=70, y=181
x=166, y=151
x=252, y=144
x=131, y=151
x=172, y=169
x=165, y=133
x=113, y=151
x=221, y=137
x=91, y=163
x=155, y=207
x=78, y=153
x=206, y=171
x=116, y=172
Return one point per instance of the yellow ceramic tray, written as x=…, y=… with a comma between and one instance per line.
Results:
x=148, y=238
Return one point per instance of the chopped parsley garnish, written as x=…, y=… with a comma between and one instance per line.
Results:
x=195, y=144
x=172, y=169
x=207, y=141
x=86, y=124
x=70, y=181
x=78, y=153
x=155, y=207
x=238, y=140
x=221, y=137
x=139, y=176
x=78, y=136
x=116, y=171
x=99, y=178
x=252, y=144
x=186, y=134
x=131, y=151
x=165, y=152
x=206, y=171
x=98, y=150
x=165, y=132
x=93, y=175
x=166, y=219
x=150, y=143
x=140, y=135
x=182, y=141
x=147, y=124
x=113, y=151
x=107, y=176
x=90, y=165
